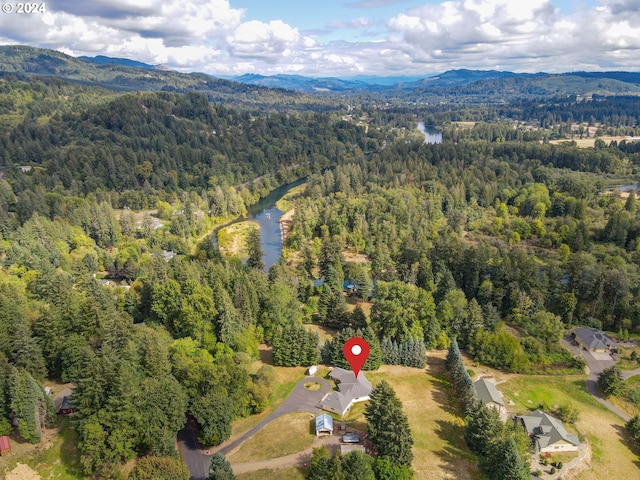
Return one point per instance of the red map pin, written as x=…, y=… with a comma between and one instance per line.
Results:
x=356, y=350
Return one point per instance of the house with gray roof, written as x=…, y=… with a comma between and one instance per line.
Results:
x=547, y=433
x=489, y=395
x=593, y=340
x=350, y=390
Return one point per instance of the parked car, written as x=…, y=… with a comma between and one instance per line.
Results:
x=350, y=438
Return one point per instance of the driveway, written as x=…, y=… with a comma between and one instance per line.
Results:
x=596, y=364
x=299, y=400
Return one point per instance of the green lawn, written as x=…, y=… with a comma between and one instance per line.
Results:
x=287, y=202
x=290, y=473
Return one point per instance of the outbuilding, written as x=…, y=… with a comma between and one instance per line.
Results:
x=324, y=424
x=5, y=445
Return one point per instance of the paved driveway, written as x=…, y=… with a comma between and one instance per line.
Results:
x=299, y=400
x=596, y=363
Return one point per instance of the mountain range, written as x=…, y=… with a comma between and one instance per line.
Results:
x=473, y=85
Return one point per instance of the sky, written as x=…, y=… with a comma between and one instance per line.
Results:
x=339, y=38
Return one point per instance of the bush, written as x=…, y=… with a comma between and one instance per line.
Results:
x=559, y=465
x=553, y=470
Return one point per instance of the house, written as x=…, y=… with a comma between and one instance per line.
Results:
x=350, y=390
x=324, y=425
x=5, y=445
x=490, y=395
x=66, y=407
x=25, y=168
x=547, y=433
x=593, y=340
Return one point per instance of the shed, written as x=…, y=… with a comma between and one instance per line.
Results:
x=324, y=424
x=66, y=407
x=5, y=445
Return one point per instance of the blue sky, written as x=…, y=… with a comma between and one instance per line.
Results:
x=341, y=38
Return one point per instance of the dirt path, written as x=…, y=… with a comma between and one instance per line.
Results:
x=22, y=472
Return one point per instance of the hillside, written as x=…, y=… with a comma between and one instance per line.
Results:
x=29, y=61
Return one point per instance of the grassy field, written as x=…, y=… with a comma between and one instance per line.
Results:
x=439, y=448
x=588, y=142
x=285, y=435
x=614, y=455
x=287, y=201
x=232, y=240
x=290, y=473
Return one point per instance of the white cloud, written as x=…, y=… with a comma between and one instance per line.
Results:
x=213, y=36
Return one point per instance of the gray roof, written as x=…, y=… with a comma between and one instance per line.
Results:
x=349, y=388
x=546, y=429
x=487, y=392
x=324, y=422
x=592, y=338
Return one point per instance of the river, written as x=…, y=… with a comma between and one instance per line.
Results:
x=267, y=215
x=430, y=136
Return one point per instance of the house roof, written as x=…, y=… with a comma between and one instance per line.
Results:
x=324, y=422
x=546, y=429
x=592, y=338
x=4, y=443
x=487, y=392
x=349, y=388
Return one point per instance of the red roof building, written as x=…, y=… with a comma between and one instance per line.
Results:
x=5, y=446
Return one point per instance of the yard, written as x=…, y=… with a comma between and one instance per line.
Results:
x=288, y=434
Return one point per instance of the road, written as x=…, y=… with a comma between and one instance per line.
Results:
x=596, y=365
x=198, y=460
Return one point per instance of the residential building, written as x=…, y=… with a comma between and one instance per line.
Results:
x=350, y=391
x=547, y=433
x=593, y=340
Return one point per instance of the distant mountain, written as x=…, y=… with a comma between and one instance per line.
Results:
x=453, y=78
x=304, y=84
x=102, y=60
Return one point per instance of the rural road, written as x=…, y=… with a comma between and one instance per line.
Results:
x=299, y=400
x=596, y=365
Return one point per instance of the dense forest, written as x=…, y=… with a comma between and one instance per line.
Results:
x=496, y=238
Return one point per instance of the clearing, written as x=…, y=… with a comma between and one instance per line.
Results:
x=232, y=239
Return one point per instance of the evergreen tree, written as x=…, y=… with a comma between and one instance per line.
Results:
x=610, y=381
x=254, y=249
x=357, y=466
x=633, y=427
x=390, y=352
x=220, y=468
x=159, y=468
x=388, y=426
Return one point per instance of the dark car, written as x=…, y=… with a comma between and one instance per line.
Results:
x=350, y=438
